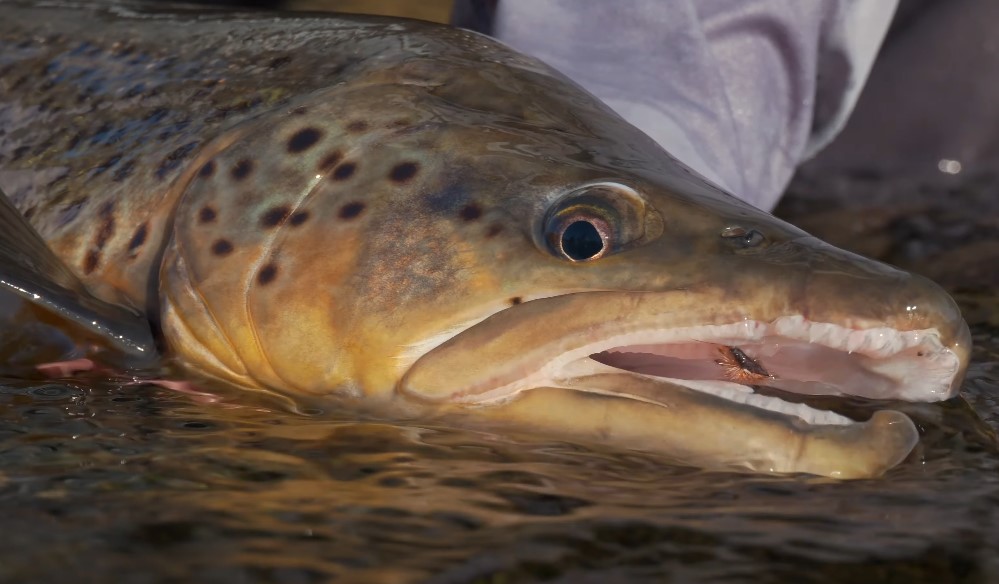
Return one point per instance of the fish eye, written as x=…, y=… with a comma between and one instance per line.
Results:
x=582, y=239
x=597, y=220
x=742, y=238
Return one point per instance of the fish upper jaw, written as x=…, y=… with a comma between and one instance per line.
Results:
x=674, y=335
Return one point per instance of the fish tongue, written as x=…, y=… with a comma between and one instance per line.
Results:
x=46, y=311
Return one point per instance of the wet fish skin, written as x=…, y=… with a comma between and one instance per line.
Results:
x=103, y=107
x=321, y=205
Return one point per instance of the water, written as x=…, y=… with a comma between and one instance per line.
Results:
x=102, y=482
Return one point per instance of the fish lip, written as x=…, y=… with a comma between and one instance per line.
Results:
x=937, y=379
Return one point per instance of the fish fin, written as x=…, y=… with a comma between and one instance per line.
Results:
x=31, y=272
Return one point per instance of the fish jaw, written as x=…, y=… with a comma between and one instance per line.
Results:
x=654, y=371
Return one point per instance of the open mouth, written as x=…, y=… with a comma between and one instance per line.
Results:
x=563, y=341
x=644, y=370
x=793, y=355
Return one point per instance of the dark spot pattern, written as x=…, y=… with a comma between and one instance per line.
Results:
x=267, y=274
x=470, y=212
x=330, y=160
x=106, y=232
x=404, y=171
x=90, y=261
x=351, y=210
x=104, y=166
x=124, y=171
x=207, y=215
x=207, y=170
x=19, y=152
x=222, y=247
x=274, y=216
x=304, y=139
x=138, y=238
x=494, y=230
x=242, y=169
x=357, y=127
x=298, y=217
x=278, y=62
x=344, y=171
x=74, y=141
x=516, y=300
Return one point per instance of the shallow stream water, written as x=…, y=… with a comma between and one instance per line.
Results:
x=101, y=482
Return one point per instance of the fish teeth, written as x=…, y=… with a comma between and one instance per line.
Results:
x=744, y=395
x=856, y=341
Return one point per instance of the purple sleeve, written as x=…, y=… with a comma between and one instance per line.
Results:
x=740, y=91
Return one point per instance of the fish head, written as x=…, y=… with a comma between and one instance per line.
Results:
x=487, y=237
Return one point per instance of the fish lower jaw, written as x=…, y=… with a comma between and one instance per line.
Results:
x=791, y=354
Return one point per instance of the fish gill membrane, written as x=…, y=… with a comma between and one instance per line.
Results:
x=415, y=220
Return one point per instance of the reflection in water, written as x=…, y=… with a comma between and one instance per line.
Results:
x=116, y=482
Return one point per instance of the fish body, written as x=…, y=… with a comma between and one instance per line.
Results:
x=419, y=219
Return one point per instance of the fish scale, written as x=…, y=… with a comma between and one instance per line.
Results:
x=415, y=221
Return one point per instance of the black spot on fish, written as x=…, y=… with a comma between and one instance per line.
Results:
x=304, y=139
x=516, y=300
x=100, y=134
x=91, y=261
x=207, y=214
x=19, y=82
x=351, y=210
x=157, y=115
x=31, y=213
x=174, y=159
x=71, y=210
x=74, y=141
x=207, y=169
x=138, y=238
x=470, y=212
x=267, y=274
x=404, y=171
x=298, y=217
x=494, y=230
x=242, y=169
x=330, y=160
x=222, y=247
x=300, y=111
x=279, y=62
x=106, y=232
x=58, y=179
x=124, y=171
x=104, y=166
x=344, y=171
x=19, y=152
x=135, y=90
x=357, y=127
x=274, y=216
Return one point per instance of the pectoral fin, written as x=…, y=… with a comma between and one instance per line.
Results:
x=46, y=313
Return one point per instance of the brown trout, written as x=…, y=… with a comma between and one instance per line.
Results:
x=416, y=220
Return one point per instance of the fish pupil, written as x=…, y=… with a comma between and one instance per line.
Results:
x=581, y=241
